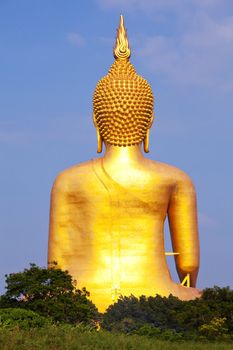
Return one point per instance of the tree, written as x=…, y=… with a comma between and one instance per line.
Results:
x=49, y=292
x=220, y=302
x=210, y=316
x=157, y=311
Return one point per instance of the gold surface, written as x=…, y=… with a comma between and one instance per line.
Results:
x=123, y=100
x=121, y=49
x=107, y=215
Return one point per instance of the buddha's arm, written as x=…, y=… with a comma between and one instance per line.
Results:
x=182, y=215
x=58, y=222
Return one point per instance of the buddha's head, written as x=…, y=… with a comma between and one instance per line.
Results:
x=123, y=101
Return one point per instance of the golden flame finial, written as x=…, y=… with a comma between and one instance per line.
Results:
x=121, y=49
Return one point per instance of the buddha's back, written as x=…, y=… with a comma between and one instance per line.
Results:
x=108, y=228
x=107, y=215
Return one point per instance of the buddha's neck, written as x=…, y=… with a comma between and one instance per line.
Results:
x=123, y=155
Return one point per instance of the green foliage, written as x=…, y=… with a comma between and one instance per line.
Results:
x=38, y=296
x=158, y=311
x=207, y=318
x=50, y=293
x=68, y=337
x=220, y=302
x=23, y=319
x=149, y=331
x=156, y=332
x=216, y=329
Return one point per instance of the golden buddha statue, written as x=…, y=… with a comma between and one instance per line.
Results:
x=107, y=214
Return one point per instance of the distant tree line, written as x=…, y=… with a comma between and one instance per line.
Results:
x=39, y=296
x=210, y=317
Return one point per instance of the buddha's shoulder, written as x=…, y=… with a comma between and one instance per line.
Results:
x=169, y=172
x=76, y=173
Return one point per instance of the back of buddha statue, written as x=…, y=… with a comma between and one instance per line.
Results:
x=107, y=215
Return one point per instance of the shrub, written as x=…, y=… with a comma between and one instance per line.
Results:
x=22, y=319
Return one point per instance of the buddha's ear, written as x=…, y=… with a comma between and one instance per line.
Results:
x=147, y=137
x=99, y=137
x=146, y=141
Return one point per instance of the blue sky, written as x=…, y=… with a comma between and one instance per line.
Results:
x=52, y=53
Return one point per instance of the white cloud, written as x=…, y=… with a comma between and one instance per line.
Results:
x=196, y=47
x=164, y=5
x=201, y=55
x=14, y=137
x=54, y=128
x=139, y=4
x=75, y=39
x=207, y=221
